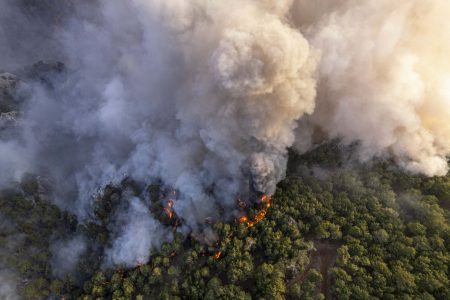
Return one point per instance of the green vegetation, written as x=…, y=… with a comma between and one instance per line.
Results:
x=365, y=232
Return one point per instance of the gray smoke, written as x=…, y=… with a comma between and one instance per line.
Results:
x=207, y=95
x=8, y=284
x=176, y=91
x=65, y=255
x=138, y=233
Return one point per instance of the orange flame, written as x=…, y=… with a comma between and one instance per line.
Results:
x=218, y=254
x=243, y=219
x=169, y=209
x=265, y=199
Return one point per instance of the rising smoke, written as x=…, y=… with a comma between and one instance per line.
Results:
x=207, y=95
x=384, y=79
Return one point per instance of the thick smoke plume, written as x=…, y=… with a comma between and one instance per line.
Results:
x=131, y=245
x=384, y=78
x=209, y=95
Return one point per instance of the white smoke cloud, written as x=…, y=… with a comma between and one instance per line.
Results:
x=137, y=236
x=176, y=91
x=384, y=79
x=206, y=95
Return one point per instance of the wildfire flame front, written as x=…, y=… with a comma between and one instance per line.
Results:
x=169, y=209
x=265, y=199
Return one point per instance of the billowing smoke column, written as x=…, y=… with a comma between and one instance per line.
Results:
x=203, y=95
x=384, y=78
x=207, y=95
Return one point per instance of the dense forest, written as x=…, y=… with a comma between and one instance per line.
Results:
x=335, y=229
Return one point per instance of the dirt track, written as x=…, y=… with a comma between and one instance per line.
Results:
x=322, y=258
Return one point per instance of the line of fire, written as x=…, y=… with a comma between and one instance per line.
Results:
x=168, y=199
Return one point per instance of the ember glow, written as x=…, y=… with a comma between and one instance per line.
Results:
x=217, y=255
x=169, y=209
x=203, y=101
x=243, y=219
x=265, y=201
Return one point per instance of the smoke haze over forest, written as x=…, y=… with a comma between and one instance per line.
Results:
x=208, y=96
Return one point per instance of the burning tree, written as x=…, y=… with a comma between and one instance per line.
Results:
x=265, y=203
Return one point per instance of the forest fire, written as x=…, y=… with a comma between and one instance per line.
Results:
x=217, y=255
x=243, y=219
x=265, y=200
x=169, y=209
x=265, y=203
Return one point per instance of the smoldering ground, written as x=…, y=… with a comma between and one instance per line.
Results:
x=206, y=95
